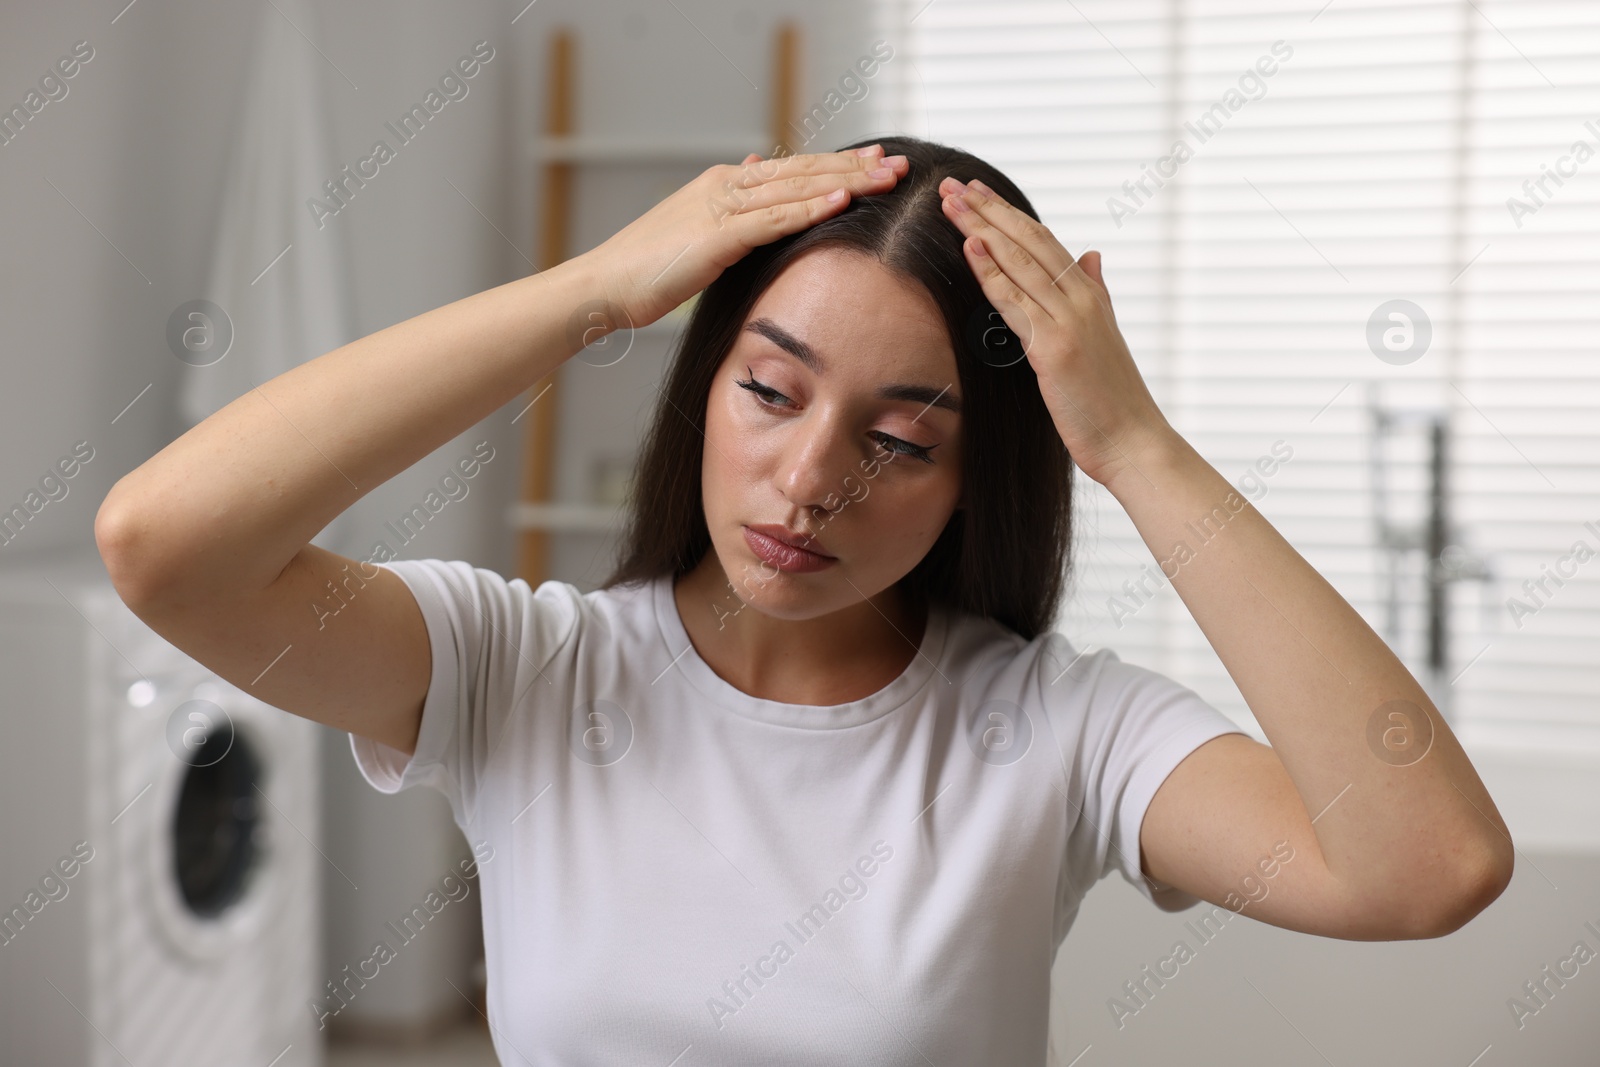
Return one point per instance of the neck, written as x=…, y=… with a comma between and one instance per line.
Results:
x=830, y=659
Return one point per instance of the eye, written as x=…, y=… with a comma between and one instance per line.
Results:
x=766, y=393
x=905, y=448
x=893, y=445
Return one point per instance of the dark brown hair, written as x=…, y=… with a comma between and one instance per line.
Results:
x=1006, y=552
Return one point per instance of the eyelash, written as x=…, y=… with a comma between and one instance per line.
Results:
x=765, y=393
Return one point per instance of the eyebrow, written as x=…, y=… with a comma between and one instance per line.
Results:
x=797, y=348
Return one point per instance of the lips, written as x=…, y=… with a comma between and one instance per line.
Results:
x=802, y=541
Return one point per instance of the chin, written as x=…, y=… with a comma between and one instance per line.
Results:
x=782, y=594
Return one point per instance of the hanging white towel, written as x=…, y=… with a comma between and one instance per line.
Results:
x=283, y=282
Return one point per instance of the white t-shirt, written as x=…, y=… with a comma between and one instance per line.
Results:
x=678, y=869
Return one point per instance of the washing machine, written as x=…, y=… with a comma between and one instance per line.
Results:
x=160, y=897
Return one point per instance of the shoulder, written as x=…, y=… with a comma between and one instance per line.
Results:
x=479, y=602
x=1081, y=688
x=977, y=645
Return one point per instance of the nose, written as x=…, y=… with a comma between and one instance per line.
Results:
x=815, y=463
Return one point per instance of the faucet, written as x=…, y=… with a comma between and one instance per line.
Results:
x=1446, y=559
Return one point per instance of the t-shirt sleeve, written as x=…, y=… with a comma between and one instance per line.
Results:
x=491, y=640
x=1123, y=729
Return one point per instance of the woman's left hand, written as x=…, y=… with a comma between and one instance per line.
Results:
x=1061, y=310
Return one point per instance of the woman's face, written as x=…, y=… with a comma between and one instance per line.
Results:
x=830, y=446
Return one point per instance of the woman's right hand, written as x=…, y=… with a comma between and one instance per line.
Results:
x=685, y=242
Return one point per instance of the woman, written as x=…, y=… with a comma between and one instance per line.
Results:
x=810, y=779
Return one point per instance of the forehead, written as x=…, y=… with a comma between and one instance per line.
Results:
x=860, y=316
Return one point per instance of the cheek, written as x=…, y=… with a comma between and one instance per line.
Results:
x=737, y=427
x=933, y=511
x=739, y=437
x=913, y=504
x=729, y=458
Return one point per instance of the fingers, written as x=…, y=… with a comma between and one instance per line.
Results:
x=1090, y=261
x=1016, y=306
x=777, y=197
x=1091, y=266
x=754, y=173
x=863, y=176
x=1011, y=235
x=1025, y=265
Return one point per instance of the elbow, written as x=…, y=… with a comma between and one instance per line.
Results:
x=1477, y=886
x=118, y=538
x=111, y=536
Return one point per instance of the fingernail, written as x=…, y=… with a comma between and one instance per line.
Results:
x=869, y=150
x=960, y=204
x=982, y=188
x=893, y=161
x=881, y=172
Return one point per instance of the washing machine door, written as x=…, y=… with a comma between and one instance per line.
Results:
x=210, y=871
x=215, y=823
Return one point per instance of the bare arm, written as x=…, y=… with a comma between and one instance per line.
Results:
x=208, y=540
x=1393, y=833
x=227, y=506
x=1399, y=842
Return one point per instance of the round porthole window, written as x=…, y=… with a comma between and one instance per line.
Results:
x=215, y=830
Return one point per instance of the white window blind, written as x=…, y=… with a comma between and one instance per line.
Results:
x=1374, y=163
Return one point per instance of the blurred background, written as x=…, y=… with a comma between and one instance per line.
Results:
x=1352, y=246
